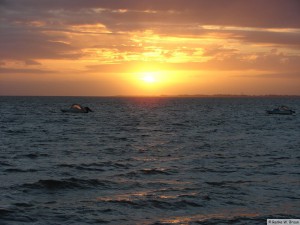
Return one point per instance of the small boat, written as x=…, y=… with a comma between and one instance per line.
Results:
x=76, y=108
x=282, y=110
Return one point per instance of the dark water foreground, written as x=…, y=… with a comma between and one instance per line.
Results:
x=148, y=161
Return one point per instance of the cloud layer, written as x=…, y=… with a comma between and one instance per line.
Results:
x=43, y=36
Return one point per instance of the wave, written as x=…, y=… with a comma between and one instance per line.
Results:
x=23, y=205
x=149, y=172
x=5, y=164
x=227, y=183
x=4, y=211
x=174, y=204
x=31, y=155
x=212, y=170
x=95, y=166
x=155, y=171
x=13, y=214
x=88, y=167
x=71, y=183
x=16, y=170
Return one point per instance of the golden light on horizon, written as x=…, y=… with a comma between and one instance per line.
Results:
x=149, y=77
x=155, y=78
x=150, y=82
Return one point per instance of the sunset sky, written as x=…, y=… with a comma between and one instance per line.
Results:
x=149, y=47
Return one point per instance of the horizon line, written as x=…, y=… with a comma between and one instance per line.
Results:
x=164, y=96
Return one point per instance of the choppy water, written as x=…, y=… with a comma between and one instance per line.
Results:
x=148, y=161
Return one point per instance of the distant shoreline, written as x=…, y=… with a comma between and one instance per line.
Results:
x=162, y=96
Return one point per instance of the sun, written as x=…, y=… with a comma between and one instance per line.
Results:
x=148, y=77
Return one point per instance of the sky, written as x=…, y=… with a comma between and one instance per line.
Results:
x=149, y=47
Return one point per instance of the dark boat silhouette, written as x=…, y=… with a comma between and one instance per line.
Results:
x=281, y=110
x=77, y=108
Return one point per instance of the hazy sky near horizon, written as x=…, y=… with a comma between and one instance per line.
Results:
x=149, y=47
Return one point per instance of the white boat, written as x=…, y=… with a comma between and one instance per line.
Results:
x=282, y=110
x=76, y=108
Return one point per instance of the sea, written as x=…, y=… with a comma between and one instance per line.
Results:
x=148, y=160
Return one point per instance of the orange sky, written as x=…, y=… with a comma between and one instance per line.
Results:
x=143, y=47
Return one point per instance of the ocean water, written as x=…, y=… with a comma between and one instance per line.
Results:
x=148, y=161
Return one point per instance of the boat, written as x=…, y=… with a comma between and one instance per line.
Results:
x=281, y=110
x=77, y=108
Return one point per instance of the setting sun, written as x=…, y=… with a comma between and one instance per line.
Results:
x=149, y=77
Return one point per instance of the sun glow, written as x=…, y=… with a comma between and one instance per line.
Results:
x=149, y=77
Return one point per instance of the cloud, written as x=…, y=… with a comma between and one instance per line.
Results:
x=288, y=38
x=254, y=13
x=38, y=18
x=204, y=34
x=24, y=71
x=30, y=62
x=282, y=75
x=21, y=43
x=271, y=61
x=232, y=60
